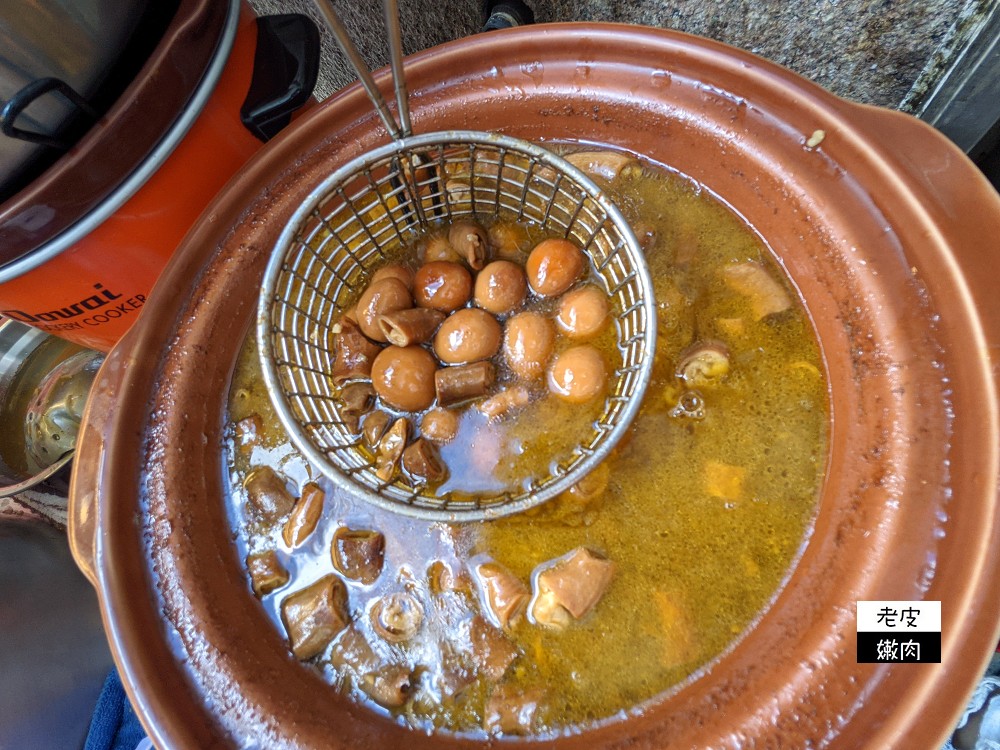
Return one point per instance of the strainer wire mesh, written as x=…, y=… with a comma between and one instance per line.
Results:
x=358, y=219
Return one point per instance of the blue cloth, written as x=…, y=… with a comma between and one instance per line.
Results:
x=114, y=725
x=979, y=727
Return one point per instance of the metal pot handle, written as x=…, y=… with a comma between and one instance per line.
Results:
x=285, y=69
x=28, y=95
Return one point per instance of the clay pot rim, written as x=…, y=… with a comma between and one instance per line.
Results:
x=854, y=122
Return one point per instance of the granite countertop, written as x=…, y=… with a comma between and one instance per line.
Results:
x=887, y=52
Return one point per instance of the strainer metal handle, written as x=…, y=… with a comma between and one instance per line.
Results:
x=402, y=128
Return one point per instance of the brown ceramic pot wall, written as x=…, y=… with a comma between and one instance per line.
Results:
x=890, y=236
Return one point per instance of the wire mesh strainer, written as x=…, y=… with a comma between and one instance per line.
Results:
x=361, y=215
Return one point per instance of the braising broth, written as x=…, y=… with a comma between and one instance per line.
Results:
x=613, y=593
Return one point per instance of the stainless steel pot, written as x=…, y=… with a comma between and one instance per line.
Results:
x=30, y=359
x=71, y=44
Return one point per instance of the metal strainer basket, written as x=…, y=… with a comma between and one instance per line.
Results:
x=360, y=217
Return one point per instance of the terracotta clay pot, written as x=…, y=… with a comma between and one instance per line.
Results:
x=889, y=233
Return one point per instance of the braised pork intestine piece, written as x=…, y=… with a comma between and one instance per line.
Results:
x=503, y=593
x=305, y=515
x=567, y=588
x=459, y=383
x=510, y=240
x=382, y=297
x=443, y=578
x=352, y=650
x=353, y=353
x=315, y=615
x=358, y=553
x=390, y=449
x=266, y=572
x=478, y=649
x=247, y=432
x=269, y=498
x=502, y=403
x=386, y=683
x=579, y=504
x=397, y=617
x=471, y=242
x=591, y=486
x=608, y=165
x=457, y=670
x=389, y=686
x=422, y=462
x=373, y=428
x=356, y=400
x=414, y=326
x=704, y=363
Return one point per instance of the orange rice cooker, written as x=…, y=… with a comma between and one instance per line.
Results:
x=81, y=246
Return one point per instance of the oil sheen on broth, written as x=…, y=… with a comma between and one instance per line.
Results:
x=702, y=509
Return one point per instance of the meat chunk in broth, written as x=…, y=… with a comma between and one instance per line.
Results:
x=269, y=498
x=305, y=515
x=492, y=651
x=248, y=432
x=397, y=617
x=314, y=616
x=422, y=462
x=510, y=711
x=388, y=686
x=568, y=588
x=353, y=353
x=764, y=293
x=266, y=572
x=503, y=593
x=358, y=553
x=388, y=683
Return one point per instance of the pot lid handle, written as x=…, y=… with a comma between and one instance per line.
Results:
x=285, y=69
x=35, y=90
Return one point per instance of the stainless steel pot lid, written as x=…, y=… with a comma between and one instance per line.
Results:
x=53, y=86
x=117, y=156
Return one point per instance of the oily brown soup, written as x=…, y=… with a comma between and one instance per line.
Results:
x=702, y=509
